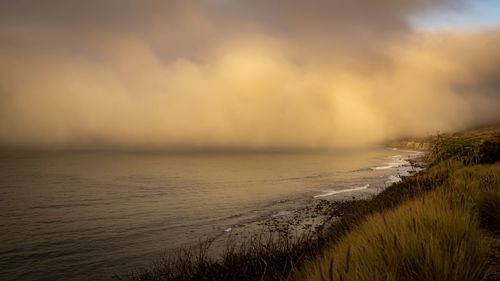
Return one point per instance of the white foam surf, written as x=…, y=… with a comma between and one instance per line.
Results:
x=333, y=192
x=281, y=214
x=383, y=167
x=397, y=162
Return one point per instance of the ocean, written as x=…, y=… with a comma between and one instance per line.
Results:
x=87, y=215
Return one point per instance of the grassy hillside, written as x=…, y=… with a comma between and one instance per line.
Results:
x=436, y=225
x=443, y=233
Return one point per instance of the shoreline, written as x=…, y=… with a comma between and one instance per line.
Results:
x=286, y=237
x=382, y=237
x=320, y=211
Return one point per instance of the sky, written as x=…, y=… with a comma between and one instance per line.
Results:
x=471, y=14
x=246, y=74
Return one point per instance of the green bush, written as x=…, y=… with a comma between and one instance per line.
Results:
x=471, y=149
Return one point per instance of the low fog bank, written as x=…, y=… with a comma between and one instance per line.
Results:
x=266, y=87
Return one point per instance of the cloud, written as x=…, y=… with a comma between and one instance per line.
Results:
x=236, y=74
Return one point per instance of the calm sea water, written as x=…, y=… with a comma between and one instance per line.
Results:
x=87, y=215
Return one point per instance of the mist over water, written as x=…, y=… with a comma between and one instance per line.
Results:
x=244, y=74
x=85, y=215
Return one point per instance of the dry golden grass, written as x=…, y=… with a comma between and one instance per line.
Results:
x=434, y=237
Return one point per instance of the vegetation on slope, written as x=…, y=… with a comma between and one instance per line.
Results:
x=438, y=235
x=432, y=226
x=434, y=237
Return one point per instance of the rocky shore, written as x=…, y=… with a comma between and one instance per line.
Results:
x=319, y=214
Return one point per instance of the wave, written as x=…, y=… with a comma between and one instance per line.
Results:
x=398, y=162
x=281, y=214
x=383, y=167
x=333, y=192
x=361, y=170
x=305, y=177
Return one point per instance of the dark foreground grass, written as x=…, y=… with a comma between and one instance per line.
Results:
x=489, y=211
x=266, y=257
x=427, y=227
